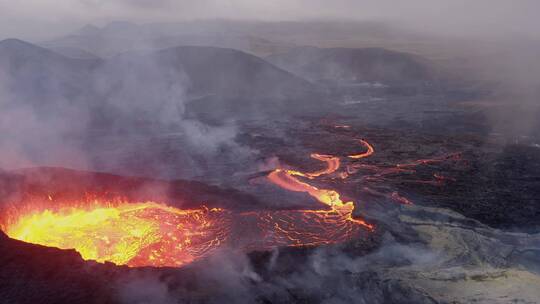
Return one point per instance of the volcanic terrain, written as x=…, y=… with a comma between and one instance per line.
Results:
x=264, y=172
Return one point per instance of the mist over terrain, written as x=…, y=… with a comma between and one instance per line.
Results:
x=462, y=18
x=191, y=75
x=427, y=109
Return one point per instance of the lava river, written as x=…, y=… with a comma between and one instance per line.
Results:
x=152, y=234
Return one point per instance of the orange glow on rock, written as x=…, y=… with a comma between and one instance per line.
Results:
x=140, y=234
x=289, y=180
x=369, y=152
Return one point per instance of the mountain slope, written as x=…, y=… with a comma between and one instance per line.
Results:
x=219, y=71
x=353, y=65
x=143, y=86
x=73, y=52
x=37, y=76
x=119, y=37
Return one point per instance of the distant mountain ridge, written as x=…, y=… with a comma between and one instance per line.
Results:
x=354, y=65
x=255, y=37
x=119, y=37
x=37, y=76
x=148, y=84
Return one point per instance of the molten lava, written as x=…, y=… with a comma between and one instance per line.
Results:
x=153, y=234
x=368, y=153
x=139, y=234
x=288, y=179
x=333, y=163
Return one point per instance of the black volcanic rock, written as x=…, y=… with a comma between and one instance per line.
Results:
x=415, y=255
x=354, y=65
x=71, y=185
x=448, y=260
x=38, y=274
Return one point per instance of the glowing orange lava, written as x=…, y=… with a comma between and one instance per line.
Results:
x=333, y=163
x=288, y=179
x=138, y=234
x=153, y=234
x=368, y=153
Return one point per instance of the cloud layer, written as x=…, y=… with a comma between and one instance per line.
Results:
x=46, y=18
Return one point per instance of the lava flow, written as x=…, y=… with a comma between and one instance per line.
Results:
x=288, y=179
x=368, y=153
x=153, y=234
x=138, y=234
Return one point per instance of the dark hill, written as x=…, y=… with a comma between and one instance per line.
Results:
x=145, y=87
x=38, y=76
x=221, y=72
x=73, y=52
x=354, y=65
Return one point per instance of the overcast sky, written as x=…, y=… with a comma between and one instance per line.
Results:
x=35, y=19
